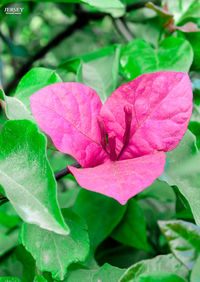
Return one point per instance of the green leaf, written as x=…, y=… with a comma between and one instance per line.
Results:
x=54, y=252
x=184, y=240
x=172, y=54
x=194, y=127
x=10, y=266
x=39, y=278
x=184, y=9
x=160, y=277
x=131, y=230
x=8, y=216
x=99, y=70
x=194, y=38
x=114, y=7
x=158, y=201
x=15, y=109
x=19, y=264
x=7, y=242
x=27, y=177
x=18, y=107
x=34, y=80
x=27, y=263
x=9, y=279
x=195, y=274
x=107, y=273
x=178, y=171
x=159, y=265
x=101, y=213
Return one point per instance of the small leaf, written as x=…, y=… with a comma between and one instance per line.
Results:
x=106, y=273
x=131, y=230
x=18, y=107
x=54, y=252
x=184, y=240
x=195, y=274
x=162, y=12
x=98, y=70
x=7, y=242
x=101, y=213
x=187, y=180
x=27, y=263
x=8, y=216
x=27, y=177
x=194, y=38
x=34, y=80
x=15, y=109
x=172, y=54
x=183, y=9
x=162, y=265
x=39, y=278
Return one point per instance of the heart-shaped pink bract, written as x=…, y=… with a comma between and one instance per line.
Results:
x=142, y=119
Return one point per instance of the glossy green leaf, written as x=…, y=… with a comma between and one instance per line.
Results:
x=99, y=70
x=27, y=177
x=54, y=252
x=172, y=54
x=131, y=230
x=187, y=180
x=161, y=264
x=183, y=9
x=34, y=80
x=101, y=213
x=195, y=274
x=107, y=273
x=15, y=109
x=184, y=240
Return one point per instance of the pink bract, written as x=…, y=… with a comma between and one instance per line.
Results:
x=142, y=119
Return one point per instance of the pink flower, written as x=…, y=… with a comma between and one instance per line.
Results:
x=120, y=144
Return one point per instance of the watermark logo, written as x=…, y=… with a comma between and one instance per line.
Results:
x=13, y=11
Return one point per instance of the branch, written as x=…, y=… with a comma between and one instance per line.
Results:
x=57, y=175
x=3, y=200
x=6, y=39
x=65, y=171
x=123, y=29
x=80, y=23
